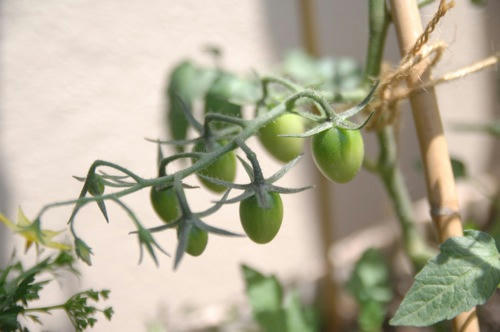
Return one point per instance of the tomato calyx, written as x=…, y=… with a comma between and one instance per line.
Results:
x=341, y=120
x=259, y=186
x=192, y=232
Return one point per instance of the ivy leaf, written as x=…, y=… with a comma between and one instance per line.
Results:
x=463, y=275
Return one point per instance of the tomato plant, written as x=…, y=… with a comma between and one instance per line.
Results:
x=223, y=168
x=338, y=153
x=328, y=101
x=261, y=224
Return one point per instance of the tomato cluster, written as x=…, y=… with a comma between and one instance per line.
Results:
x=337, y=152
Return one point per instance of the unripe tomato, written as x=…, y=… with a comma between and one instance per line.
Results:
x=283, y=148
x=223, y=168
x=261, y=224
x=96, y=185
x=166, y=204
x=197, y=241
x=338, y=153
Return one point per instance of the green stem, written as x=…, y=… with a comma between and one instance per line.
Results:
x=393, y=180
x=378, y=23
x=387, y=165
x=208, y=158
x=45, y=309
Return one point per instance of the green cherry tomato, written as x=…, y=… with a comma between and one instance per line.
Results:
x=338, y=153
x=96, y=185
x=166, y=204
x=223, y=168
x=261, y=224
x=197, y=241
x=283, y=148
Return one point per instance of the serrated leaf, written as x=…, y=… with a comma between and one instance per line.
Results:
x=463, y=275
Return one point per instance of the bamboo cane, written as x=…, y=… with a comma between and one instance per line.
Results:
x=332, y=318
x=440, y=183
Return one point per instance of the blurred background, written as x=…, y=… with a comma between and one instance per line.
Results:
x=84, y=80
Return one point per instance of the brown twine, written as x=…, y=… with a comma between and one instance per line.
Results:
x=425, y=56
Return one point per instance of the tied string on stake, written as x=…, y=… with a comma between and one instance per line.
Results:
x=421, y=57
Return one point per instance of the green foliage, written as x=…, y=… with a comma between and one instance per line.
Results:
x=333, y=74
x=271, y=311
x=369, y=284
x=227, y=93
x=463, y=275
x=20, y=286
x=188, y=82
x=459, y=168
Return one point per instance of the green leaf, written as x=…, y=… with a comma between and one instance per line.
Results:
x=308, y=70
x=463, y=275
x=227, y=94
x=297, y=318
x=189, y=83
x=337, y=75
x=369, y=284
x=371, y=316
x=459, y=168
x=369, y=280
x=265, y=295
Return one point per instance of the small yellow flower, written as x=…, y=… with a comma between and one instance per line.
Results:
x=33, y=233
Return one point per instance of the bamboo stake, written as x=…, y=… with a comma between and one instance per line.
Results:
x=332, y=318
x=440, y=183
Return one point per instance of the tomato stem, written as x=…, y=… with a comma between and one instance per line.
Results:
x=387, y=167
